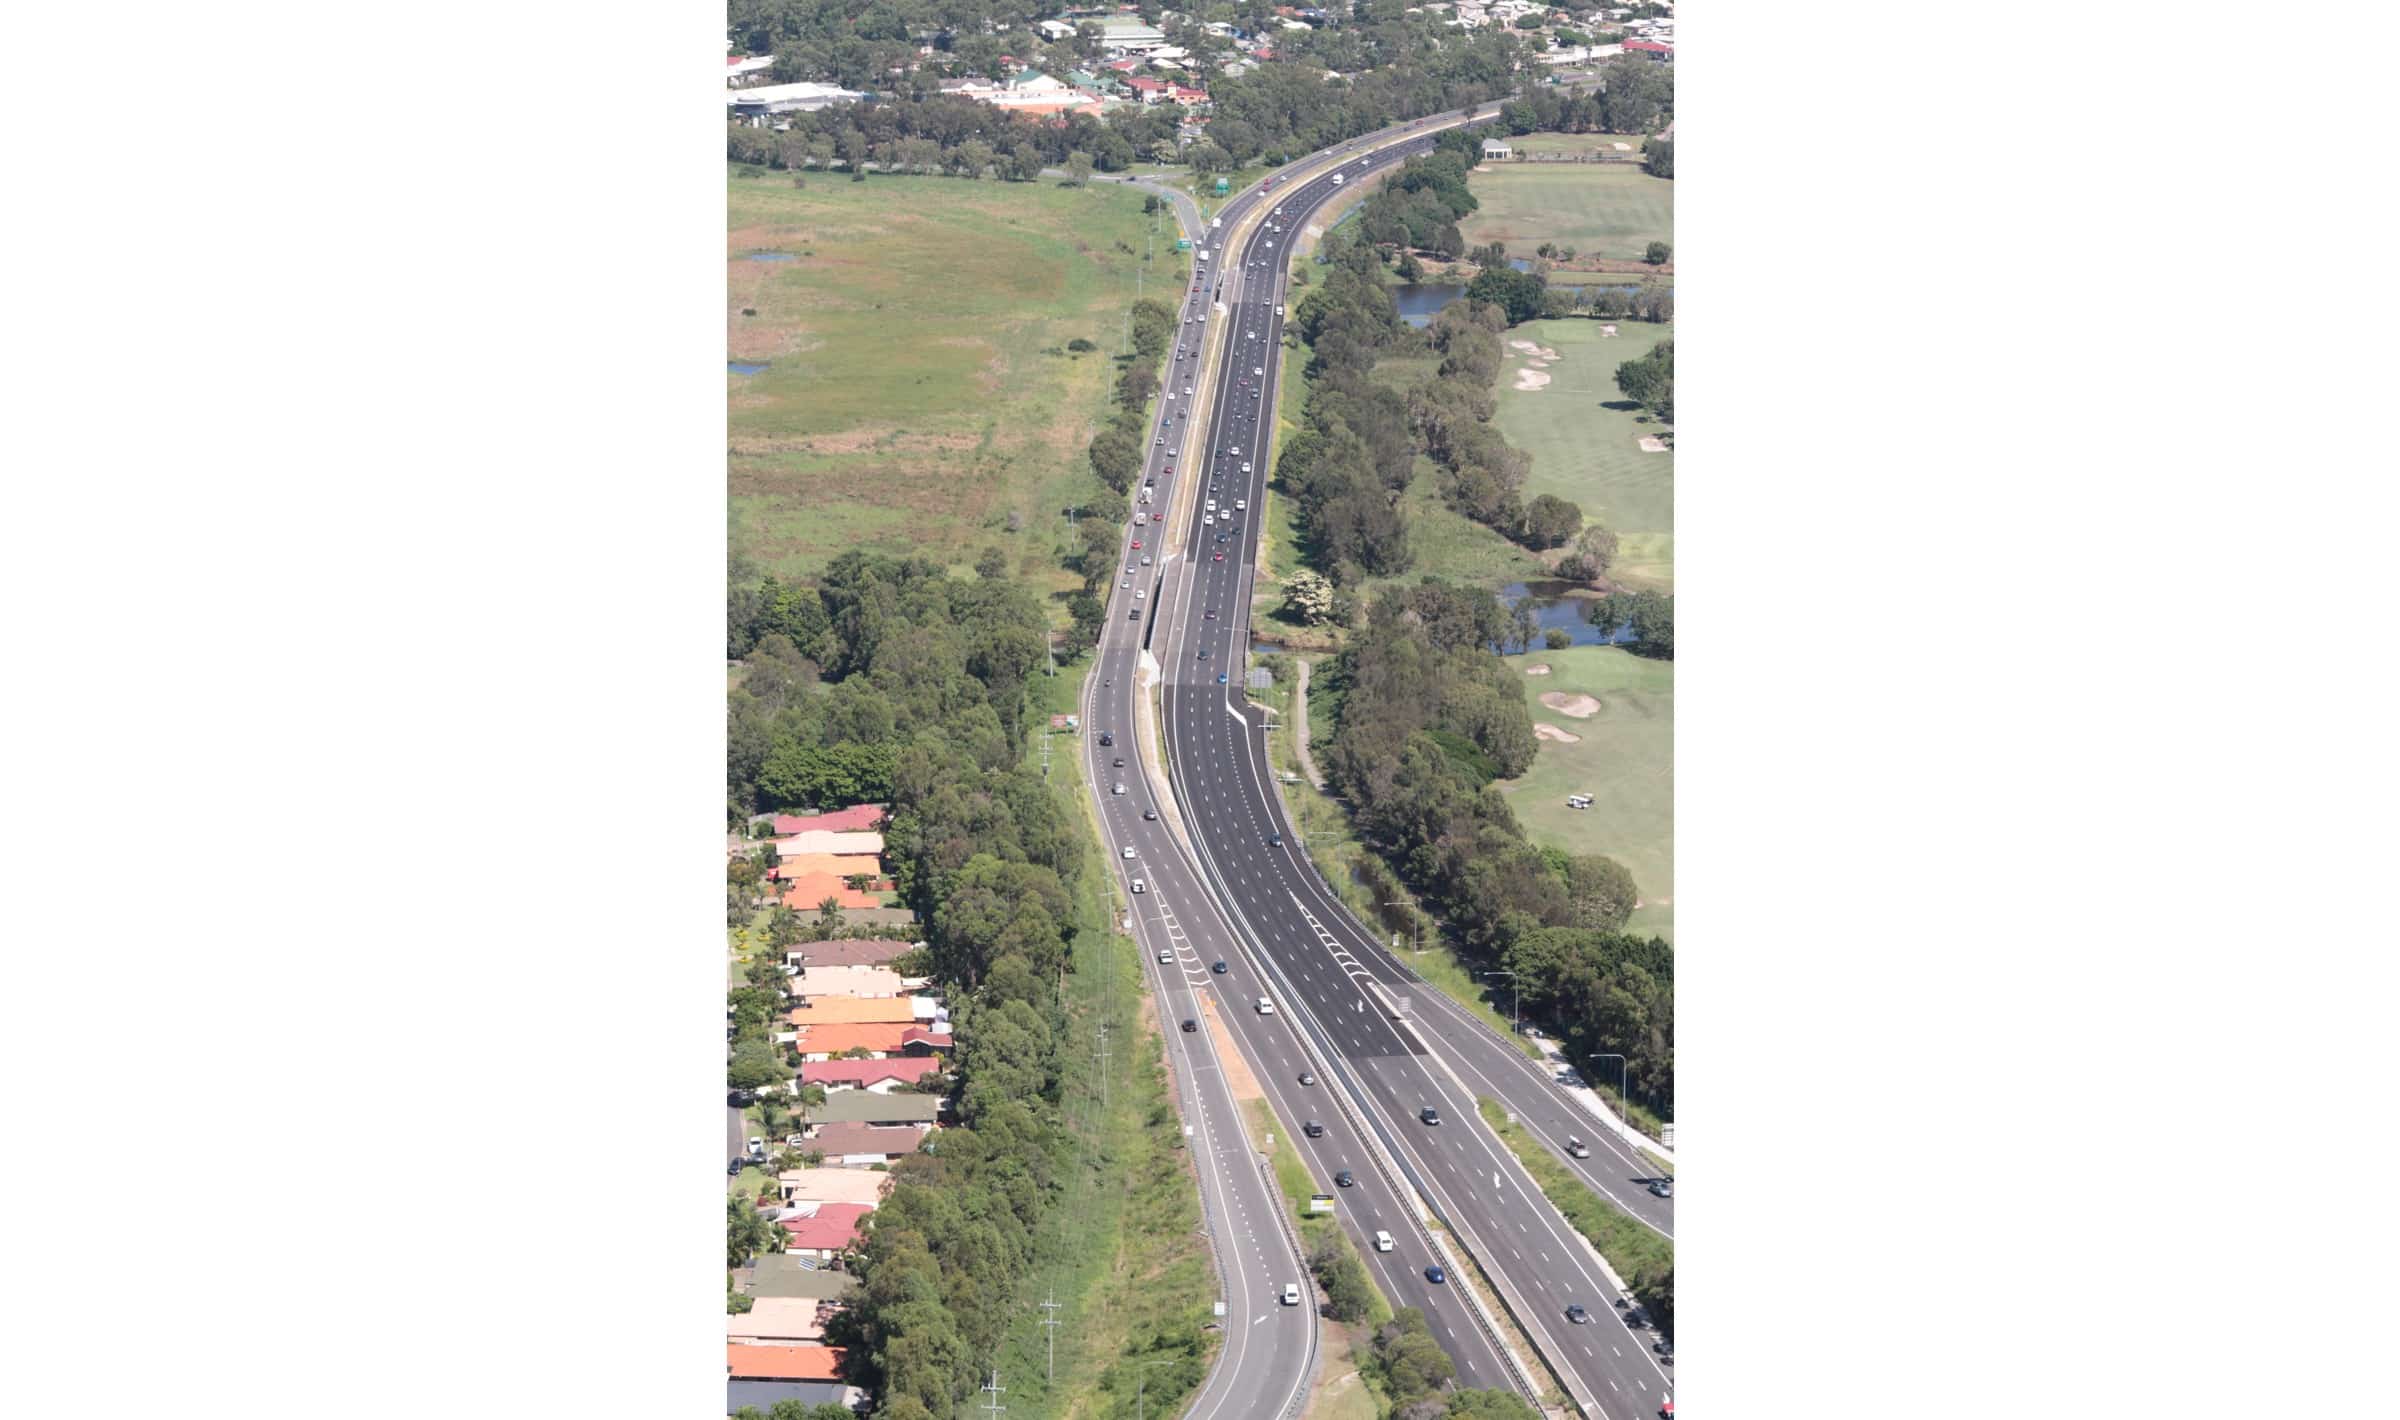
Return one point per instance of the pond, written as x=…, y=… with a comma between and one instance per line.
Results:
x=1560, y=606
x=1418, y=301
x=771, y=256
x=745, y=367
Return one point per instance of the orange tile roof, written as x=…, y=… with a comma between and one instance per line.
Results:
x=841, y=865
x=884, y=1037
x=811, y=891
x=784, y=1363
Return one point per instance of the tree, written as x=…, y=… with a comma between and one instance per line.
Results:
x=1657, y=253
x=1079, y=168
x=1650, y=381
x=754, y=1066
x=991, y=565
x=1519, y=293
x=1658, y=157
x=1150, y=203
x=1556, y=639
x=1308, y=597
x=1090, y=615
x=746, y=1233
x=1343, y=1278
x=1550, y=521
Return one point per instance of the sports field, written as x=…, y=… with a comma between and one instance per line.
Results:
x=1623, y=755
x=917, y=395
x=1607, y=210
x=1614, y=144
x=1587, y=452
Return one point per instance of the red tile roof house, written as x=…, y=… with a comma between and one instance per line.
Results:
x=846, y=951
x=827, y=1234
x=1662, y=53
x=783, y=1363
x=855, y=819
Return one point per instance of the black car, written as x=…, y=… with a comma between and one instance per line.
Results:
x=1189, y=1024
x=1307, y=1078
x=732, y=1167
x=1578, y=1315
x=1344, y=1179
x=1117, y=763
x=1275, y=840
x=1313, y=1129
x=1430, y=1115
x=1217, y=966
x=740, y=1099
x=1210, y=614
x=1204, y=653
x=1434, y=1274
x=1107, y=738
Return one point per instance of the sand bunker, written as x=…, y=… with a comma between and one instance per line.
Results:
x=1543, y=731
x=1542, y=669
x=1523, y=345
x=1652, y=444
x=1608, y=330
x=1577, y=707
x=1531, y=379
x=1622, y=147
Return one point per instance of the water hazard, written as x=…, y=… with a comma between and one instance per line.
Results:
x=771, y=256
x=1558, y=606
x=745, y=367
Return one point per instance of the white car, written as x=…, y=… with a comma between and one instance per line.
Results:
x=1245, y=469
x=1255, y=370
x=1209, y=521
x=1140, y=886
x=1265, y=1006
x=1241, y=505
x=1119, y=789
x=1165, y=957
x=1383, y=1241
x=1128, y=850
x=1291, y=1294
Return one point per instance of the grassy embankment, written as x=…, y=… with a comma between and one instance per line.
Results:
x=1122, y=1250
x=919, y=397
x=1638, y=1254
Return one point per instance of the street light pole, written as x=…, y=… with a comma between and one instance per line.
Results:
x=1514, y=997
x=1624, y=1087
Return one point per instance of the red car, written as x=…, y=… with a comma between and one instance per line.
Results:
x=1137, y=544
x=1220, y=557
x=1158, y=517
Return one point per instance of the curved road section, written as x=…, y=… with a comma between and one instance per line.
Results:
x=1202, y=970
x=1373, y=1024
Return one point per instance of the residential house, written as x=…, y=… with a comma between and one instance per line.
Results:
x=833, y=1186
x=878, y=1075
x=762, y=1396
x=784, y=1363
x=808, y=892
x=1648, y=49
x=857, y=818
x=859, y=982
x=779, y=1274
x=777, y=1321
x=858, y=1011
x=846, y=951
x=823, y=1235
x=868, y=1107
x=825, y=1042
x=1496, y=151
x=827, y=840
x=864, y=1145
x=839, y=865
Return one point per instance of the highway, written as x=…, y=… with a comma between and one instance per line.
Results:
x=1327, y=973
x=1269, y=1352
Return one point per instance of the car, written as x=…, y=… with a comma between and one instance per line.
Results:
x=1274, y=840
x=1218, y=966
x=1190, y=1025
x=1383, y=1241
x=1291, y=1294
x=1107, y=738
x=1137, y=544
x=1117, y=762
x=1165, y=957
x=1204, y=653
x=1245, y=468
x=1345, y=1179
x=1158, y=517
x=1306, y=1078
x=1663, y=1188
x=1221, y=680
x=1265, y=1006
x=1210, y=614
x=1145, y=559
x=1577, y=1149
x=1665, y=1350
x=1160, y=442
x=1258, y=369
x=1313, y=1129
x=1435, y=1275
x=1140, y=886
x=757, y=1146
x=1128, y=853
x=1578, y=1315
x=732, y=1167
x=1430, y=1115
x=741, y=1099
x=1134, y=615
x=1241, y=505
x=1150, y=814
x=1220, y=557
x=1120, y=787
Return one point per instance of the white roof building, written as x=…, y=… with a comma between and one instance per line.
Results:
x=790, y=98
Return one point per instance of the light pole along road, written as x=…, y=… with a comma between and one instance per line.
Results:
x=1269, y=1349
x=1332, y=975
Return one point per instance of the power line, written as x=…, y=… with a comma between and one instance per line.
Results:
x=1050, y=1366
x=993, y=1388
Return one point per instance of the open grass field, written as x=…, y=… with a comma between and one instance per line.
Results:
x=1579, y=143
x=1610, y=210
x=918, y=395
x=1623, y=756
x=1585, y=451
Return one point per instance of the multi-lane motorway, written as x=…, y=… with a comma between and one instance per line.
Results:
x=1256, y=904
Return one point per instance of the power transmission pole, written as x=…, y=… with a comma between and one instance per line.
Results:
x=1104, y=1069
x=993, y=1388
x=1050, y=1365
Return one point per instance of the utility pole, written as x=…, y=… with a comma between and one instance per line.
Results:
x=1051, y=1306
x=993, y=1388
x=1104, y=1068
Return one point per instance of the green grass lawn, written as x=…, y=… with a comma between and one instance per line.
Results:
x=1586, y=452
x=1607, y=210
x=1624, y=759
x=909, y=404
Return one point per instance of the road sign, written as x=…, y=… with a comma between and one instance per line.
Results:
x=1666, y=1135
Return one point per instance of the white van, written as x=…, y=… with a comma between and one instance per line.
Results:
x=1265, y=1006
x=1291, y=1294
x=1383, y=1241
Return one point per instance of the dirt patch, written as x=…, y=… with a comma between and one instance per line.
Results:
x=1229, y=1055
x=1544, y=730
x=1652, y=444
x=1542, y=669
x=1579, y=707
x=1530, y=379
